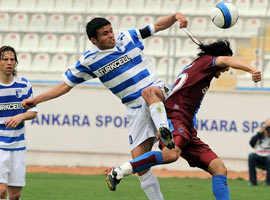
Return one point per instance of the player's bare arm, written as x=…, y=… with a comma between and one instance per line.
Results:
x=236, y=63
x=166, y=22
x=14, y=121
x=58, y=90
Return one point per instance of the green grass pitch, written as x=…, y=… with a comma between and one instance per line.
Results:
x=45, y=186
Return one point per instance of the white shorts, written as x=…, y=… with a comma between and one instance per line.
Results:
x=140, y=125
x=13, y=167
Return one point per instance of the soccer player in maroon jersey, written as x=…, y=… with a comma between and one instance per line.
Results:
x=181, y=106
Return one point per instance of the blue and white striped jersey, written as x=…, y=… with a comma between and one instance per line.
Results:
x=11, y=96
x=124, y=69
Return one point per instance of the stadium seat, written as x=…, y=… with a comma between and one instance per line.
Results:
x=155, y=46
x=12, y=39
x=98, y=6
x=180, y=64
x=243, y=7
x=48, y=43
x=174, y=46
x=266, y=71
x=44, y=6
x=4, y=21
x=8, y=5
x=212, y=30
x=198, y=26
x=144, y=21
x=72, y=60
x=251, y=27
x=169, y=6
x=80, y=6
x=164, y=68
x=30, y=42
x=62, y=6
x=27, y=5
x=114, y=19
x=236, y=30
x=19, y=22
x=41, y=62
x=189, y=48
x=1, y=39
x=135, y=7
x=117, y=6
x=37, y=23
x=204, y=6
x=67, y=43
x=73, y=24
x=188, y=7
x=58, y=63
x=152, y=7
x=55, y=23
x=258, y=8
x=152, y=60
x=25, y=61
x=127, y=22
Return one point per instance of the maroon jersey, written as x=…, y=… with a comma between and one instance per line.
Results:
x=189, y=89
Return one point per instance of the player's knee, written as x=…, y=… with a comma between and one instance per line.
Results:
x=14, y=195
x=217, y=167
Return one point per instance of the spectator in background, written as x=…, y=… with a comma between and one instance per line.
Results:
x=13, y=90
x=261, y=157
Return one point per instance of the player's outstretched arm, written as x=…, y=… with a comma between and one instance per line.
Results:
x=58, y=90
x=14, y=121
x=236, y=63
x=167, y=21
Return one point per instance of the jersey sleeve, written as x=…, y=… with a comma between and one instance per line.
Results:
x=79, y=73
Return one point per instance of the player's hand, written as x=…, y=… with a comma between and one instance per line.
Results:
x=28, y=103
x=256, y=76
x=14, y=121
x=183, y=22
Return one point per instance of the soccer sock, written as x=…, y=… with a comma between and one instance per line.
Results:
x=150, y=186
x=220, y=188
x=146, y=161
x=158, y=114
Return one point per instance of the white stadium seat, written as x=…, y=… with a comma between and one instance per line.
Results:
x=169, y=6
x=72, y=60
x=25, y=61
x=117, y=6
x=48, y=43
x=8, y=5
x=135, y=7
x=152, y=60
x=189, y=48
x=19, y=22
x=30, y=42
x=55, y=23
x=4, y=21
x=1, y=39
x=144, y=21
x=66, y=44
x=164, y=67
x=243, y=7
x=80, y=6
x=58, y=63
x=204, y=6
x=127, y=22
x=155, y=46
x=152, y=6
x=198, y=26
x=12, y=39
x=27, y=5
x=114, y=19
x=41, y=62
x=251, y=27
x=73, y=24
x=62, y=6
x=44, y=6
x=37, y=22
x=188, y=6
x=175, y=45
x=98, y=6
x=258, y=8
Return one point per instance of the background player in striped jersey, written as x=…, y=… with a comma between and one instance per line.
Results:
x=121, y=65
x=182, y=106
x=13, y=89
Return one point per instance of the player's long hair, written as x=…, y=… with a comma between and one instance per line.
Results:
x=3, y=49
x=95, y=24
x=219, y=48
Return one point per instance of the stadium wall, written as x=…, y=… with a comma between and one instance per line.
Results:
x=87, y=127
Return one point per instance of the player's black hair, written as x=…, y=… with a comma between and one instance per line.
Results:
x=3, y=49
x=95, y=24
x=219, y=48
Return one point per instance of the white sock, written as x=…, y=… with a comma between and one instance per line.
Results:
x=125, y=169
x=158, y=114
x=150, y=185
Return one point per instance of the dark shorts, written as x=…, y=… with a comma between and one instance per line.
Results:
x=194, y=151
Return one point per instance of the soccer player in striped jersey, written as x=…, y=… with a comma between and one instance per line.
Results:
x=182, y=106
x=121, y=65
x=13, y=89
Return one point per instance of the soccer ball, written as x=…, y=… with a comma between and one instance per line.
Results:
x=224, y=15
